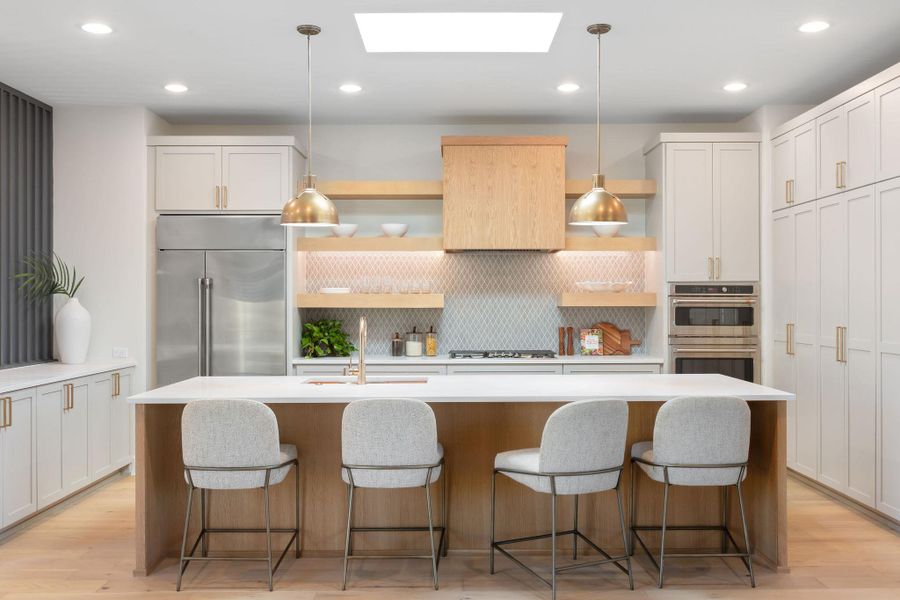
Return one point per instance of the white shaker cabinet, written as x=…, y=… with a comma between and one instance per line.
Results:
x=121, y=443
x=846, y=146
x=255, y=177
x=887, y=206
x=188, y=178
x=63, y=454
x=794, y=167
x=110, y=427
x=887, y=132
x=18, y=491
x=712, y=208
x=783, y=318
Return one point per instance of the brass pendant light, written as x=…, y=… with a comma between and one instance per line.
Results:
x=309, y=208
x=598, y=207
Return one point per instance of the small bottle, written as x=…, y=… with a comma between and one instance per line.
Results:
x=431, y=342
x=414, y=343
x=397, y=345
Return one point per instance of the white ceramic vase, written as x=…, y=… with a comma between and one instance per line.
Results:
x=73, y=332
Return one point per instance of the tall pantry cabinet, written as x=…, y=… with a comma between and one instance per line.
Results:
x=836, y=285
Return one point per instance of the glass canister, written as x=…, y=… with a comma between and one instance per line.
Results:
x=397, y=345
x=431, y=342
x=415, y=342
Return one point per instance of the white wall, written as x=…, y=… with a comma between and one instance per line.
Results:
x=100, y=220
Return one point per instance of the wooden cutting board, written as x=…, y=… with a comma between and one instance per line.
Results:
x=616, y=341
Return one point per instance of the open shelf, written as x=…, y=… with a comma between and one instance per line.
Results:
x=434, y=189
x=370, y=300
x=370, y=244
x=610, y=244
x=645, y=299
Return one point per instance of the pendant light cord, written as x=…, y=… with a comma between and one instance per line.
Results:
x=309, y=107
x=599, y=35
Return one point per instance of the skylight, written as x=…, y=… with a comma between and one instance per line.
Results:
x=457, y=32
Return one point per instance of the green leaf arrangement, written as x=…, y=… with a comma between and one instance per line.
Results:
x=325, y=338
x=46, y=275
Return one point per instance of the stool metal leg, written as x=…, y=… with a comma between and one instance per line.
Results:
x=624, y=537
x=268, y=530
x=204, y=545
x=662, y=539
x=493, y=517
x=347, y=538
x=434, y=572
x=631, y=518
x=724, y=519
x=445, y=538
x=575, y=531
x=297, y=521
x=553, y=537
x=740, y=496
x=182, y=565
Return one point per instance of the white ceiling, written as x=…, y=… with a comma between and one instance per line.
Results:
x=664, y=61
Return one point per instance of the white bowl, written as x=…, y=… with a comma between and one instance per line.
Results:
x=394, y=229
x=607, y=229
x=344, y=229
x=335, y=290
x=602, y=286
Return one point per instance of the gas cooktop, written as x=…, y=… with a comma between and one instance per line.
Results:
x=502, y=354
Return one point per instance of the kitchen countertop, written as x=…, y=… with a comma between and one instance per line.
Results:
x=20, y=378
x=444, y=359
x=462, y=388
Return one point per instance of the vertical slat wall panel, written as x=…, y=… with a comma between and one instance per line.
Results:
x=26, y=223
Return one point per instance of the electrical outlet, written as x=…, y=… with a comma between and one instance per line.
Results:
x=120, y=352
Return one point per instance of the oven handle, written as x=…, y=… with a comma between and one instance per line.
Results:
x=712, y=302
x=718, y=350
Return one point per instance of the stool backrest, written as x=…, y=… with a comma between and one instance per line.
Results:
x=389, y=432
x=702, y=431
x=229, y=433
x=588, y=435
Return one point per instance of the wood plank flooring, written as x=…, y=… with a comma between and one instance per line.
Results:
x=85, y=550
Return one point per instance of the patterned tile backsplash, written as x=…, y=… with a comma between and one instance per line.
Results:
x=492, y=300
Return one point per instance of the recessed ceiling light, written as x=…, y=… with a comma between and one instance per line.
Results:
x=176, y=88
x=568, y=88
x=735, y=86
x=814, y=27
x=350, y=88
x=97, y=28
x=457, y=32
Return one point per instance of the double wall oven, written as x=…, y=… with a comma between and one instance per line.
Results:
x=714, y=329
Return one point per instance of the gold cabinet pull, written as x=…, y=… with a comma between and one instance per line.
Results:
x=837, y=344
x=115, y=385
x=224, y=196
x=843, y=344
x=789, y=191
x=718, y=269
x=217, y=196
x=7, y=412
x=843, y=174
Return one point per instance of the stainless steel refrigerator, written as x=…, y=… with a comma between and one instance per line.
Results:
x=220, y=296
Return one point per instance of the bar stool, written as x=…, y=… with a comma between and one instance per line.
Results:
x=389, y=443
x=696, y=442
x=234, y=445
x=582, y=452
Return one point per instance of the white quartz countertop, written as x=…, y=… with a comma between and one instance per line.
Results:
x=20, y=378
x=462, y=388
x=444, y=359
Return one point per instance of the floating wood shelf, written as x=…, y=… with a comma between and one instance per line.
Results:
x=646, y=299
x=370, y=244
x=370, y=300
x=434, y=189
x=610, y=244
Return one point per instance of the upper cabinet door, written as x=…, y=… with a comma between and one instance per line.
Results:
x=504, y=193
x=831, y=133
x=804, y=187
x=859, y=169
x=255, y=177
x=736, y=211
x=188, y=178
x=782, y=170
x=887, y=130
x=689, y=208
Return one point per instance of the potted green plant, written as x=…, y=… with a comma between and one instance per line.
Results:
x=45, y=276
x=325, y=338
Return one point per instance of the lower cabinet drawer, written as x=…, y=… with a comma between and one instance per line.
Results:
x=610, y=369
x=504, y=369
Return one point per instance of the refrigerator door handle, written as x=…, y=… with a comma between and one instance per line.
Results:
x=206, y=325
x=200, y=328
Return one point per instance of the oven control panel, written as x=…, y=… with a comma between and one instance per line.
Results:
x=714, y=290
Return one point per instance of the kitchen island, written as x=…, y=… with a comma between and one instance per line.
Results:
x=477, y=416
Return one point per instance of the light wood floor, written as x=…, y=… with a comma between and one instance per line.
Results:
x=86, y=550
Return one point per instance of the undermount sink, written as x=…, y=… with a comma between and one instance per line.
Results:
x=371, y=379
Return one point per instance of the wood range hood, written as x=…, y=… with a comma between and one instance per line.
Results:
x=504, y=193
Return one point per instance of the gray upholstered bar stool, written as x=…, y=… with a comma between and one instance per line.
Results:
x=696, y=442
x=390, y=443
x=234, y=445
x=582, y=452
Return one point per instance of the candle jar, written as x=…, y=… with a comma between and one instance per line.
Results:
x=414, y=343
